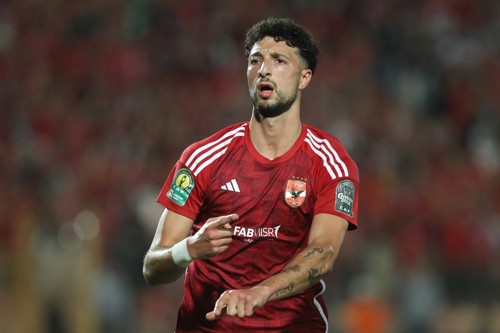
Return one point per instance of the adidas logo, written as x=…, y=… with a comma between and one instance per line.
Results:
x=231, y=186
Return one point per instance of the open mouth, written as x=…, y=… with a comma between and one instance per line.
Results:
x=265, y=86
x=265, y=89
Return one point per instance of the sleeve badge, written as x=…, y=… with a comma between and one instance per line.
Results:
x=344, y=197
x=181, y=187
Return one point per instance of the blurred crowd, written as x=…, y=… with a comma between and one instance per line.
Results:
x=99, y=98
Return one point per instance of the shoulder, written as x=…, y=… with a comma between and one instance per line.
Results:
x=214, y=146
x=330, y=152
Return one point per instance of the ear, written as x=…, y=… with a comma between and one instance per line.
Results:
x=305, y=78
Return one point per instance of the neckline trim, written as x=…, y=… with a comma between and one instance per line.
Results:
x=262, y=159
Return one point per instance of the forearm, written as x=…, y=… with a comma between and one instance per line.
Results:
x=164, y=263
x=159, y=267
x=304, y=271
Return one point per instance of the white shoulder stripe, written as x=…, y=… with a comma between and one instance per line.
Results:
x=213, y=150
x=329, y=150
x=209, y=161
x=323, y=157
x=321, y=151
x=208, y=145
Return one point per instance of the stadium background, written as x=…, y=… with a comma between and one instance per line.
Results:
x=98, y=99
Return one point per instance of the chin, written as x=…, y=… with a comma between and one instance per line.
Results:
x=270, y=111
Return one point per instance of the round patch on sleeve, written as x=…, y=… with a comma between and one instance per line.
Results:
x=344, y=197
x=181, y=187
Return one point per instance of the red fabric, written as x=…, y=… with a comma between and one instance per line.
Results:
x=230, y=176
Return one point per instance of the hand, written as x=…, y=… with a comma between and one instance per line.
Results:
x=213, y=238
x=239, y=303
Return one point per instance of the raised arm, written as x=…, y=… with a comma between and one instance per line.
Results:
x=306, y=269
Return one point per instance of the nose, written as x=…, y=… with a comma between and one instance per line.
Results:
x=264, y=70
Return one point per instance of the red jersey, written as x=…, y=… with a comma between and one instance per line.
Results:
x=276, y=201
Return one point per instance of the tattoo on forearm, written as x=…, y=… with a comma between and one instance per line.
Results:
x=287, y=289
x=294, y=268
x=316, y=249
x=314, y=276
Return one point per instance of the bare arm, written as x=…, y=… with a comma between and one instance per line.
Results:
x=158, y=264
x=303, y=271
x=213, y=238
x=314, y=262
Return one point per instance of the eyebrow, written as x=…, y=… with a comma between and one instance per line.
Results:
x=274, y=55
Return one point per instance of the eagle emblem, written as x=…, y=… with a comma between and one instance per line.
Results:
x=295, y=193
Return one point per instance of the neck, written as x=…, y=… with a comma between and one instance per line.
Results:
x=273, y=137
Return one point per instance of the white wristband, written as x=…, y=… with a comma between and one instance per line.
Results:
x=180, y=254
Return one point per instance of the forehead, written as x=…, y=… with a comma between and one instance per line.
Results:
x=269, y=45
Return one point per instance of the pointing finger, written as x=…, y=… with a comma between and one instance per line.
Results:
x=218, y=311
x=221, y=221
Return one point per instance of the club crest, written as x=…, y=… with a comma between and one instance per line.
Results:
x=295, y=193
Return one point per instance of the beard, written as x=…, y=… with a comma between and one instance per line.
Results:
x=268, y=109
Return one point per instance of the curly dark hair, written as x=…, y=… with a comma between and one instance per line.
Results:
x=284, y=29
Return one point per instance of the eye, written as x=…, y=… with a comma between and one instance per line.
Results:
x=254, y=61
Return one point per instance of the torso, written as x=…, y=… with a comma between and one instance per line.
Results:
x=276, y=201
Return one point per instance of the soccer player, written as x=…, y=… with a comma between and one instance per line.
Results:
x=255, y=214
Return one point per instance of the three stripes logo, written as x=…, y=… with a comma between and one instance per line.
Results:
x=231, y=186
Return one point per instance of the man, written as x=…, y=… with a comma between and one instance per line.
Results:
x=258, y=211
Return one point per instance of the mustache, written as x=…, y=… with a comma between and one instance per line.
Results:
x=266, y=80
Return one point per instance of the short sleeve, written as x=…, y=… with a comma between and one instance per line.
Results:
x=339, y=197
x=182, y=192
